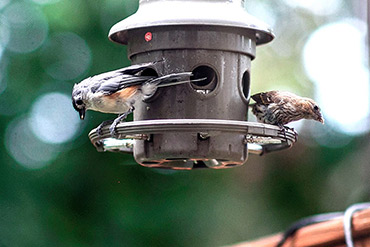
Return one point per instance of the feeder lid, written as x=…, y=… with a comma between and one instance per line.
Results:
x=224, y=13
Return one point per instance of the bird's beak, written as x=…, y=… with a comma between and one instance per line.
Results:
x=82, y=113
x=321, y=119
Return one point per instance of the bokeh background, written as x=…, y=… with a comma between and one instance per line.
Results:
x=57, y=190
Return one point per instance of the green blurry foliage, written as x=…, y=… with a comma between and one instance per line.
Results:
x=86, y=198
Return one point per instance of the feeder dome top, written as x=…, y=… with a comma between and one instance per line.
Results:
x=159, y=13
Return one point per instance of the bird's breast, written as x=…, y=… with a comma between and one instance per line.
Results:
x=117, y=103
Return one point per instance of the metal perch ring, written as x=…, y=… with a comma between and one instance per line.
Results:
x=260, y=138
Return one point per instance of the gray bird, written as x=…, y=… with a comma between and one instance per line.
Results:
x=117, y=91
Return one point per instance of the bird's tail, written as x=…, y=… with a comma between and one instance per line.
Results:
x=171, y=79
x=166, y=81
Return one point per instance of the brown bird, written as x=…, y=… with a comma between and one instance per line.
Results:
x=279, y=108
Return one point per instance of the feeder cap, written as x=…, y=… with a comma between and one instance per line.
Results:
x=160, y=13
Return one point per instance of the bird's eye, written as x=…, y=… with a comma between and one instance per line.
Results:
x=316, y=108
x=79, y=102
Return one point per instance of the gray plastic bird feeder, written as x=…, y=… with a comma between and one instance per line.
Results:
x=202, y=123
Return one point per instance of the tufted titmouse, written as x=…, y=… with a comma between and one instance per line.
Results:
x=116, y=91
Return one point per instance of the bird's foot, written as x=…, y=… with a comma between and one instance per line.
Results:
x=285, y=128
x=113, y=128
x=295, y=135
x=294, y=132
x=99, y=129
x=120, y=118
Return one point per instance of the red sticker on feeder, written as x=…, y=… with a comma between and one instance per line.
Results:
x=148, y=36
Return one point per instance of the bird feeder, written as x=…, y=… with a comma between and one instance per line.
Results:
x=202, y=123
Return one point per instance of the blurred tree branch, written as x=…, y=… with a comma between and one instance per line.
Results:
x=329, y=234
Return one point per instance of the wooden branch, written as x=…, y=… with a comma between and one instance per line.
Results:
x=325, y=234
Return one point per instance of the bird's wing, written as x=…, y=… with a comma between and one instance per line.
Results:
x=113, y=84
x=264, y=98
x=130, y=70
x=112, y=81
x=270, y=97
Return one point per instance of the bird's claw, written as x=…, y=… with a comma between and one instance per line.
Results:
x=285, y=128
x=113, y=130
x=99, y=129
x=113, y=127
x=294, y=132
x=295, y=135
